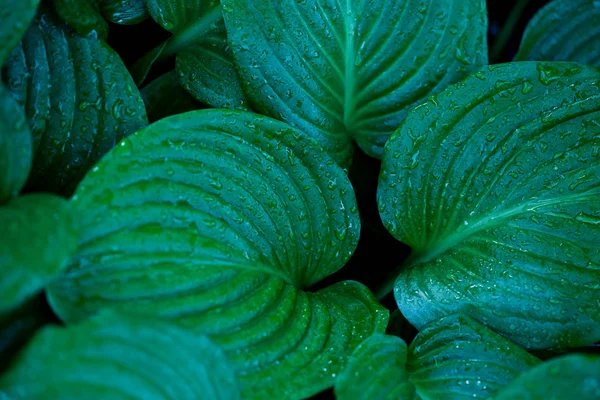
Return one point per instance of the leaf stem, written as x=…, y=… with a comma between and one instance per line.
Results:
x=507, y=30
x=388, y=285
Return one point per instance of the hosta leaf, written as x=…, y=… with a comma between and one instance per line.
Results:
x=569, y=377
x=204, y=66
x=79, y=99
x=113, y=357
x=376, y=370
x=39, y=235
x=217, y=220
x=564, y=30
x=456, y=357
x=351, y=70
x=509, y=236
x=15, y=147
x=15, y=16
x=86, y=16
x=453, y=358
x=164, y=96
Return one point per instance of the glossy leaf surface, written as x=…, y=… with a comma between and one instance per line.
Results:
x=78, y=97
x=217, y=220
x=15, y=16
x=564, y=30
x=350, y=70
x=204, y=66
x=120, y=358
x=493, y=183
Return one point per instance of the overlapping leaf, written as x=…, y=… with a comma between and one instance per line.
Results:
x=494, y=185
x=217, y=220
x=113, y=357
x=569, y=377
x=164, y=96
x=15, y=16
x=203, y=64
x=86, y=16
x=15, y=147
x=564, y=30
x=344, y=71
x=39, y=235
x=79, y=99
x=453, y=358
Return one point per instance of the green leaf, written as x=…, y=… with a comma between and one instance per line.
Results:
x=113, y=357
x=15, y=147
x=456, y=357
x=39, y=235
x=164, y=97
x=87, y=16
x=453, y=358
x=493, y=185
x=218, y=220
x=376, y=370
x=79, y=98
x=204, y=66
x=15, y=17
x=569, y=377
x=564, y=30
x=351, y=70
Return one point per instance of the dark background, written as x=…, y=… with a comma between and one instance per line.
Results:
x=378, y=253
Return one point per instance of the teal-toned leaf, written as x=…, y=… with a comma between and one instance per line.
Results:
x=350, y=70
x=15, y=16
x=376, y=370
x=164, y=97
x=569, y=377
x=87, y=16
x=564, y=30
x=218, y=220
x=203, y=63
x=493, y=183
x=459, y=358
x=113, y=357
x=79, y=99
x=15, y=147
x=453, y=358
x=39, y=234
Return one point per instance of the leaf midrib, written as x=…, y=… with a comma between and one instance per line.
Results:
x=349, y=65
x=434, y=250
x=193, y=33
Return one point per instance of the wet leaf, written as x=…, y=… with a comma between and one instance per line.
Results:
x=78, y=97
x=203, y=63
x=15, y=17
x=493, y=183
x=117, y=357
x=564, y=30
x=218, y=220
x=345, y=71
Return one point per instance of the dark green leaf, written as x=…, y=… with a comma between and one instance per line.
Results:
x=376, y=370
x=566, y=378
x=164, y=97
x=493, y=183
x=38, y=236
x=564, y=30
x=79, y=98
x=15, y=17
x=217, y=220
x=199, y=40
x=453, y=358
x=87, y=16
x=15, y=147
x=344, y=71
x=112, y=357
x=459, y=358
